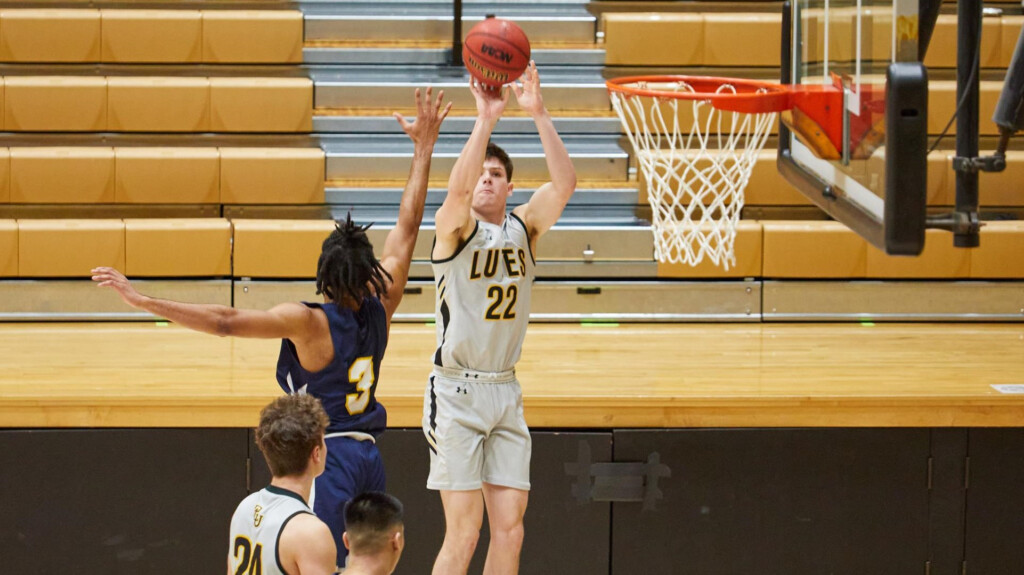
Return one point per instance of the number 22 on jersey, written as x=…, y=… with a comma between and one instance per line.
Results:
x=503, y=302
x=361, y=374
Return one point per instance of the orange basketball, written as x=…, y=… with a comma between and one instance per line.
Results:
x=496, y=52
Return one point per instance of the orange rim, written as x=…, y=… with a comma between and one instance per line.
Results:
x=751, y=96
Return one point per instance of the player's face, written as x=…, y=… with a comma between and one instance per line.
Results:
x=493, y=188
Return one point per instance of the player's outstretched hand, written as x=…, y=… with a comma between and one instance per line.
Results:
x=111, y=278
x=490, y=102
x=429, y=116
x=527, y=90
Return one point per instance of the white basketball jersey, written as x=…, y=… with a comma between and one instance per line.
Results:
x=483, y=298
x=256, y=527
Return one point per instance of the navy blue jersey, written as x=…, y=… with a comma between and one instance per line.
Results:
x=347, y=386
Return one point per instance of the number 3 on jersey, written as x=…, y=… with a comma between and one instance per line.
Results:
x=498, y=296
x=361, y=374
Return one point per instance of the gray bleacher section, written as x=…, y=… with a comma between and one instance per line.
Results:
x=357, y=86
x=366, y=58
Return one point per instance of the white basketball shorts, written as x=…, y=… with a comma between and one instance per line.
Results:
x=475, y=429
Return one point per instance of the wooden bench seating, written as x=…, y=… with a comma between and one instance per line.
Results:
x=145, y=175
x=295, y=176
x=157, y=104
x=752, y=39
x=129, y=36
x=770, y=250
x=139, y=247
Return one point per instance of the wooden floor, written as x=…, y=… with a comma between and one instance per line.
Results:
x=681, y=375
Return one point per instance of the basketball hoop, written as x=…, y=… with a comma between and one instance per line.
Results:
x=696, y=140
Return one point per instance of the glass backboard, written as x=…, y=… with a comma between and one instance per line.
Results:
x=859, y=152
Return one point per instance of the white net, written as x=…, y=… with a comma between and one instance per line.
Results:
x=696, y=161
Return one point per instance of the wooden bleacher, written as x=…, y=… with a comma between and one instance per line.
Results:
x=259, y=184
x=289, y=249
x=145, y=35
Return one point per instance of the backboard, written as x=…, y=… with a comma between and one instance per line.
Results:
x=860, y=153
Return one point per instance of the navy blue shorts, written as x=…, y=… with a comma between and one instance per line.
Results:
x=353, y=467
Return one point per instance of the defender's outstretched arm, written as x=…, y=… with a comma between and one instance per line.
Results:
x=398, y=247
x=287, y=320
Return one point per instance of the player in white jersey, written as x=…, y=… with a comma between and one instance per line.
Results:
x=273, y=531
x=484, y=268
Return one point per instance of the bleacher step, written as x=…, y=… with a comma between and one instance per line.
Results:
x=439, y=55
x=387, y=157
x=463, y=124
x=559, y=21
x=437, y=27
x=352, y=87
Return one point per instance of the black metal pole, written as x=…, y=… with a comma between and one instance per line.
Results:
x=928, y=15
x=969, y=13
x=786, y=69
x=457, y=33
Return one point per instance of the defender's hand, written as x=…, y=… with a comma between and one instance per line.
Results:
x=111, y=278
x=429, y=117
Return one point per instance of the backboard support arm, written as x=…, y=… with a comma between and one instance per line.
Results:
x=969, y=13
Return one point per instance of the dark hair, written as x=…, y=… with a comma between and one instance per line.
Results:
x=370, y=518
x=347, y=265
x=290, y=427
x=494, y=151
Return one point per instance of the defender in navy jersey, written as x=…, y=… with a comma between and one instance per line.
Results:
x=347, y=386
x=333, y=350
x=484, y=267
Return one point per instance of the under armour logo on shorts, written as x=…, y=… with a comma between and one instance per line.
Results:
x=461, y=390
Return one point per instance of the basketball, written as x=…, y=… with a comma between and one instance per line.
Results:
x=496, y=52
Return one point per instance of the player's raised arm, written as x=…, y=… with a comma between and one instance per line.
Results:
x=288, y=320
x=398, y=246
x=547, y=203
x=454, y=216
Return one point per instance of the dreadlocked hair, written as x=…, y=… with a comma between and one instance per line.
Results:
x=347, y=266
